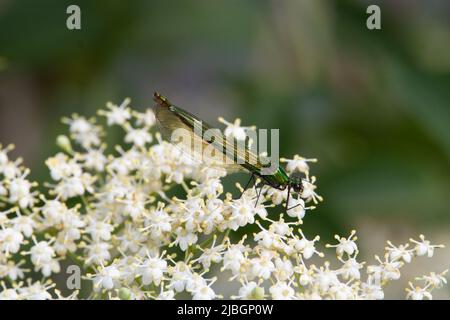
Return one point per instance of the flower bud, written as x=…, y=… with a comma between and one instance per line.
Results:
x=257, y=293
x=64, y=143
x=124, y=294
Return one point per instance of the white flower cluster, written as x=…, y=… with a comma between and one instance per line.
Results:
x=116, y=216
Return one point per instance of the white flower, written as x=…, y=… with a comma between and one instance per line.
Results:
x=235, y=130
x=283, y=269
x=204, y=292
x=152, y=270
x=263, y=266
x=214, y=218
x=309, y=192
x=280, y=227
x=418, y=293
x=20, y=192
x=305, y=246
x=36, y=291
x=345, y=245
x=72, y=223
x=250, y=291
x=233, y=258
x=131, y=239
x=106, y=278
x=24, y=224
x=400, y=252
x=95, y=159
x=117, y=114
x=282, y=291
x=79, y=125
x=98, y=252
x=306, y=279
x=10, y=240
x=265, y=238
x=424, y=247
x=242, y=212
x=42, y=256
x=211, y=188
x=139, y=137
x=276, y=196
x=184, y=238
x=53, y=212
x=371, y=291
x=84, y=132
x=435, y=280
x=62, y=167
x=70, y=188
x=11, y=169
x=12, y=270
x=210, y=255
x=296, y=208
x=342, y=291
x=324, y=278
x=134, y=204
x=180, y=275
x=350, y=269
x=41, y=252
x=99, y=230
x=157, y=222
x=297, y=164
x=386, y=271
x=146, y=119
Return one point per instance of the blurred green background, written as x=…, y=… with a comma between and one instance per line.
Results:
x=372, y=106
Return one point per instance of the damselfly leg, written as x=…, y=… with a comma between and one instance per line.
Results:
x=288, y=198
x=257, y=187
x=252, y=178
x=261, y=185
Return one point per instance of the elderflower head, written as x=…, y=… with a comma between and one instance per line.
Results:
x=112, y=211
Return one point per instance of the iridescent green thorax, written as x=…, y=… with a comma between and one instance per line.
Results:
x=278, y=180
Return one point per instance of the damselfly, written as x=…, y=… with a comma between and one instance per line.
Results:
x=172, y=118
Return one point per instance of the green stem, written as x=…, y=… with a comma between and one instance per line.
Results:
x=225, y=236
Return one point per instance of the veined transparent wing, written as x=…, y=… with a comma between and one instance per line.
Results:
x=203, y=144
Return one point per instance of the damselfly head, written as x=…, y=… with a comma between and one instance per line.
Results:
x=296, y=182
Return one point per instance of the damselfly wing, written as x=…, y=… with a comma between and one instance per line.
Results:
x=204, y=144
